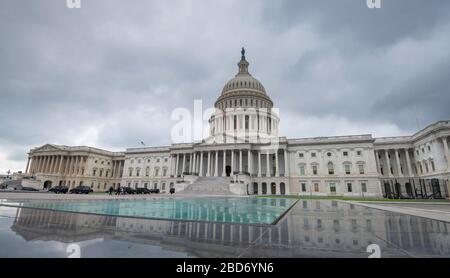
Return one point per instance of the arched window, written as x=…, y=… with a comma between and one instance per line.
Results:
x=330, y=168
x=347, y=168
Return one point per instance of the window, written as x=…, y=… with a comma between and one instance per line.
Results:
x=345, y=153
x=332, y=187
x=364, y=187
x=302, y=170
x=329, y=154
x=361, y=169
x=300, y=155
x=147, y=171
x=313, y=154
x=130, y=172
x=358, y=153
x=347, y=169
x=138, y=171
x=349, y=187
x=157, y=160
x=330, y=168
x=139, y=161
x=314, y=169
x=164, y=172
x=94, y=172
x=316, y=187
x=132, y=161
x=156, y=172
x=429, y=148
x=303, y=187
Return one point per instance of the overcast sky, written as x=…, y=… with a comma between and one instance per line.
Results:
x=109, y=74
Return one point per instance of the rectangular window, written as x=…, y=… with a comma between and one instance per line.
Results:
x=347, y=169
x=316, y=187
x=302, y=170
x=358, y=153
x=361, y=169
x=300, y=155
x=363, y=187
x=314, y=168
x=349, y=187
x=345, y=153
x=332, y=187
x=313, y=154
x=303, y=187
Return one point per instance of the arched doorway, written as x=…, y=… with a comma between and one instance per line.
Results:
x=228, y=170
x=282, y=189
x=273, y=188
x=264, y=188
x=47, y=184
x=255, y=188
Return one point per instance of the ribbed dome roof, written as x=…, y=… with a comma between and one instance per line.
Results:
x=243, y=79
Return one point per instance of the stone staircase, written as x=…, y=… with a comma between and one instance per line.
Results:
x=209, y=186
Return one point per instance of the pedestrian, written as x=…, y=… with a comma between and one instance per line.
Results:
x=111, y=190
x=118, y=190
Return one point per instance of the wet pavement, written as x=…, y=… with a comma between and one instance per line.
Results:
x=312, y=228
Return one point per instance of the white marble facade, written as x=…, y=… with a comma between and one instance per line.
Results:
x=244, y=148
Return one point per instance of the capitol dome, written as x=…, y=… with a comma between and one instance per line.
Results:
x=243, y=90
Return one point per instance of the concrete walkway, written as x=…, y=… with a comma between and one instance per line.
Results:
x=436, y=211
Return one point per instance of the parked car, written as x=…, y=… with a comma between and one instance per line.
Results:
x=29, y=189
x=129, y=190
x=142, y=190
x=81, y=190
x=60, y=189
x=154, y=190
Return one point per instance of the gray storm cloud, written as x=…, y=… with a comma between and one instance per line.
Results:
x=109, y=74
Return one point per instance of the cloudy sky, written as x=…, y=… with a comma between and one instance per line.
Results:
x=110, y=74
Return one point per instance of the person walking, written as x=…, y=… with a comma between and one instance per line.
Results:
x=111, y=190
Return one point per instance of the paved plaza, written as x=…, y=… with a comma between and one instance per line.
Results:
x=311, y=228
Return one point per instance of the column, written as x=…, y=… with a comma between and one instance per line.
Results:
x=191, y=160
x=52, y=164
x=240, y=160
x=267, y=164
x=377, y=161
x=259, y=164
x=277, y=171
x=232, y=162
x=184, y=163
x=249, y=161
x=398, y=163
x=194, y=161
x=208, y=165
x=47, y=158
x=286, y=164
x=216, y=168
x=224, y=163
x=408, y=162
x=28, y=165
x=201, y=165
x=386, y=154
x=177, y=162
x=447, y=153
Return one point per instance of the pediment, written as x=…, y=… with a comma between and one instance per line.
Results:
x=47, y=147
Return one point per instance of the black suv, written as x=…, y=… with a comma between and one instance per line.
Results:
x=154, y=190
x=81, y=190
x=142, y=191
x=60, y=189
x=129, y=190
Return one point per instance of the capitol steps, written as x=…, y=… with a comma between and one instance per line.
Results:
x=209, y=186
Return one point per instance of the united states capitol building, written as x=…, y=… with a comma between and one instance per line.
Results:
x=244, y=155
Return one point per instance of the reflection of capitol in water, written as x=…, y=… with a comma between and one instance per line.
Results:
x=311, y=229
